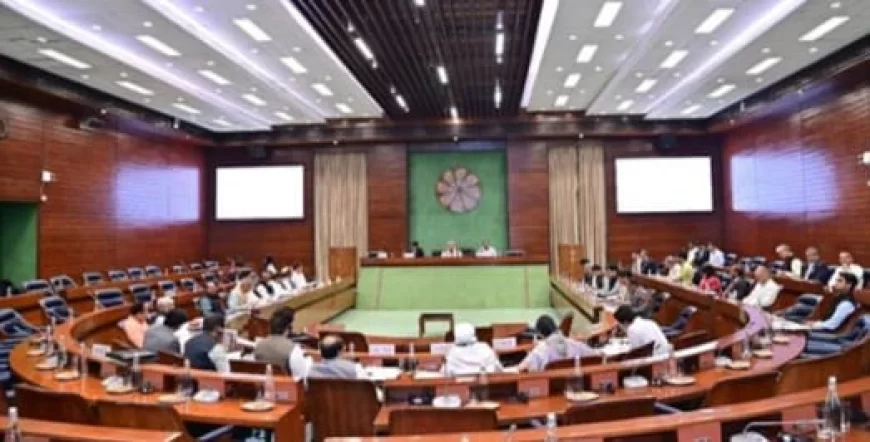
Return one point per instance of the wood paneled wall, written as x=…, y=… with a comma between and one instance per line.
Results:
x=286, y=241
x=118, y=200
x=529, y=197
x=387, y=170
x=796, y=178
x=660, y=234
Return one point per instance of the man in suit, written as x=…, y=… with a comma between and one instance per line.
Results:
x=815, y=269
x=595, y=278
x=417, y=250
x=278, y=349
x=610, y=285
x=205, y=350
x=162, y=336
x=332, y=365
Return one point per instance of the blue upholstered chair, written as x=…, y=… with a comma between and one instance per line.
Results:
x=55, y=307
x=106, y=298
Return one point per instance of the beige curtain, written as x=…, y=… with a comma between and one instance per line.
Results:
x=577, y=200
x=340, y=205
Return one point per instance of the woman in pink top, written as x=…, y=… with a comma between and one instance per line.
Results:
x=136, y=324
x=710, y=282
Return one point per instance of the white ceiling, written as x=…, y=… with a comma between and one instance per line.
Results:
x=103, y=34
x=652, y=29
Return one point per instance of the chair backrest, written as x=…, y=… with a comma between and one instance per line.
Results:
x=211, y=264
x=195, y=266
x=610, y=410
x=569, y=362
x=110, y=297
x=411, y=421
x=139, y=415
x=170, y=358
x=858, y=330
x=253, y=367
x=188, y=284
x=53, y=405
x=153, y=270
x=326, y=407
x=210, y=277
x=566, y=324
x=740, y=389
x=178, y=268
x=117, y=275
x=55, y=307
x=38, y=285
x=62, y=282
x=12, y=324
x=93, y=278
x=691, y=339
x=167, y=286
x=809, y=299
x=136, y=272
x=141, y=293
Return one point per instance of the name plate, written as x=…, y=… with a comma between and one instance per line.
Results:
x=451, y=390
x=216, y=384
x=100, y=350
x=154, y=378
x=382, y=349
x=440, y=348
x=706, y=432
x=504, y=343
x=534, y=388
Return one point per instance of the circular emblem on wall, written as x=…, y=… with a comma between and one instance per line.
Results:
x=458, y=190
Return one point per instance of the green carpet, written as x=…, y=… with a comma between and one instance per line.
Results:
x=403, y=323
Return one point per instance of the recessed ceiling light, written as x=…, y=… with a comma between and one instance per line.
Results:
x=253, y=89
x=572, y=80
x=835, y=5
x=186, y=108
x=363, y=48
x=219, y=90
x=572, y=37
x=715, y=20
x=253, y=99
x=496, y=95
x=674, y=59
x=561, y=101
x=251, y=7
x=255, y=51
x=42, y=39
x=419, y=3
x=454, y=113
x=669, y=43
x=723, y=90
x=168, y=64
x=97, y=28
x=559, y=69
x=646, y=85
x=598, y=69
x=343, y=108
x=400, y=100
x=65, y=59
x=294, y=65
x=222, y=122
x=199, y=9
x=135, y=87
x=123, y=75
x=146, y=100
x=765, y=50
x=249, y=27
x=549, y=92
x=720, y=80
x=209, y=63
x=763, y=65
x=180, y=99
x=619, y=36
x=618, y=97
x=215, y=77
x=714, y=42
x=499, y=43
x=157, y=45
x=607, y=14
x=625, y=105
x=284, y=116
x=638, y=74
x=442, y=74
x=587, y=52
x=322, y=89
x=297, y=49
x=813, y=50
x=824, y=28
x=85, y=76
x=691, y=109
x=147, y=24
x=582, y=91
x=677, y=74
x=759, y=80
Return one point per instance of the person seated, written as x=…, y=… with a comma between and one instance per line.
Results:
x=586, y=268
x=847, y=264
x=451, y=250
x=610, y=285
x=701, y=256
x=212, y=303
x=643, y=301
x=643, y=264
x=686, y=270
x=267, y=287
x=205, y=351
x=710, y=281
x=297, y=277
x=791, y=265
x=165, y=304
x=717, y=256
x=161, y=337
x=553, y=347
x=278, y=349
x=765, y=290
x=270, y=266
x=486, y=250
x=136, y=324
x=739, y=287
x=815, y=269
x=595, y=279
x=331, y=365
x=468, y=356
x=416, y=251
x=8, y=288
x=242, y=297
x=691, y=252
x=641, y=331
x=843, y=306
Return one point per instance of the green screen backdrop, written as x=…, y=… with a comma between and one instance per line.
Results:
x=18, y=241
x=433, y=225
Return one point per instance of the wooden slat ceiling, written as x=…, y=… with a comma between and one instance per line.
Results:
x=410, y=41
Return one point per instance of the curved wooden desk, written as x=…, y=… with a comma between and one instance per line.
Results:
x=38, y=429
x=441, y=262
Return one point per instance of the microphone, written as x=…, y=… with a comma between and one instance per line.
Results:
x=751, y=436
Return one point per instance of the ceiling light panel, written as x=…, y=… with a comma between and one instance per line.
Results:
x=569, y=39
x=712, y=22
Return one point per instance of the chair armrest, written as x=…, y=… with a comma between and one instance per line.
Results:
x=824, y=336
x=224, y=433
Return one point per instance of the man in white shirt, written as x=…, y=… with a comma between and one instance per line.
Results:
x=297, y=277
x=486, y=250
x=451, y=251
x=242, y=297
x=765, y=291
x=847, y=264
x=641, y=331
x=717, y=257
x=467, y=356
x=791, y=264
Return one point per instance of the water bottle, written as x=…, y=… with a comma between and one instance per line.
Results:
x=269, y=385
x=834, y=422
x=136, y=372
x=551, y=428
x=13, y=433
x=185, y=382
x=482, y=386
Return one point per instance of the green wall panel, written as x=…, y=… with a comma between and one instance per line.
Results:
x=18, y=229
x=433, y=225
x=453, y=287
